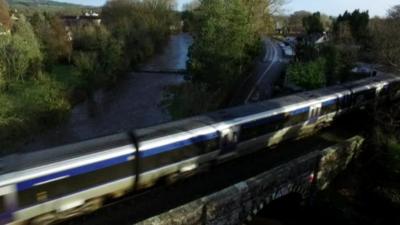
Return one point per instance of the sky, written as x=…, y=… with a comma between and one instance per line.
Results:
x=330, y=7
x=336, y=7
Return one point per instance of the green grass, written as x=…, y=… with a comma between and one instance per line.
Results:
x=29, y=107
x=35, y=105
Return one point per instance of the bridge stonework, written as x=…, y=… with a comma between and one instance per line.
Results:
x=239, y=203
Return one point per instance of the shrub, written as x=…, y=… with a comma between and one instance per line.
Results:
x=309, y=75
x=30, y=106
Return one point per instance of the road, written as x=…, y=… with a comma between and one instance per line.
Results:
x=260, y=84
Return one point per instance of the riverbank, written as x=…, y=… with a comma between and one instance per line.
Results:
x=133, y=102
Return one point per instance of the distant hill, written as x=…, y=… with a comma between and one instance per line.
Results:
x=29, y=6
x=30, y=3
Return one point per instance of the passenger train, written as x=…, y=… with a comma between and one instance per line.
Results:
x=50, y=185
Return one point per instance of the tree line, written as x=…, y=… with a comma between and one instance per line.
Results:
x=353, y=37
x=47, y=66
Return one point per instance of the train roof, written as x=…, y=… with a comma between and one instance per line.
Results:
x=187, y=126
x=212, y=119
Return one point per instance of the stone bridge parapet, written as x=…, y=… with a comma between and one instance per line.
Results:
x=237, y=204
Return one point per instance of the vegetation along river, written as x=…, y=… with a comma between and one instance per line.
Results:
x=133, y=103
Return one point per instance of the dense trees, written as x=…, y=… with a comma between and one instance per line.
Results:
x=5, y=20
x=223, y=37
x=304, y=22
x=330, y=62
x=313, y=24
x=386, y=39
x=355, y=23
x=97, y=55
x=309, y=75
x=394, y=12
x=227, y=37
x=29, y=98
x=45, y=66
x=295, y=22
x=385, y=146
x=54, y=40
x=130, y=21
x=20, y=54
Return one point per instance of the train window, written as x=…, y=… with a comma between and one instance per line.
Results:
x=225, y=141
x=329, y=107
x=2, y=204
x=74, y=184
x=344, y=102
x=211, y=145
x=261, y=127
x=364, y=96
x=177, y=155
x=235, y=137
x=293, y=119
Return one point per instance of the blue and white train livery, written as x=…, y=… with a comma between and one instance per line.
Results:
x=45, y=186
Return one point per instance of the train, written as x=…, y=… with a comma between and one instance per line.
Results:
x=47, y=186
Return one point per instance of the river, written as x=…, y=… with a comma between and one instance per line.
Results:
x=133, y=103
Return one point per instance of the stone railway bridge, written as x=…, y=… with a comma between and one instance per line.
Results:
x=239, y=203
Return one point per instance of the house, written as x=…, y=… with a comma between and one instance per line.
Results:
x=84, y=19
x=87, y=18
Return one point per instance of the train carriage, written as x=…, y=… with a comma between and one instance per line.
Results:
x=57, y=183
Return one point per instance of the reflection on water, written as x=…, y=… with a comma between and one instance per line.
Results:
x=173, y=57
x=133, y=103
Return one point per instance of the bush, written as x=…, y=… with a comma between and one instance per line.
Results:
x=309, y=75
x=53, y=38
x=98, y=54
x=86, y=63
x=20, y=55
x=181, y=99
x=139, y=27
x=28, y=107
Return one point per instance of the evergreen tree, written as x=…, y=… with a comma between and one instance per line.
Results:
x=313, y=23
x=357, y=22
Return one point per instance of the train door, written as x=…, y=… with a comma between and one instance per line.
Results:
x=7, y=204
x=314, y=113
x=229, y=140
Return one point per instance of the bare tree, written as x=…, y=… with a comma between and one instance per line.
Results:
x=394, y=13
x=5, y=19
x=296, y=21
x=169, y=4
x=386, y=38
